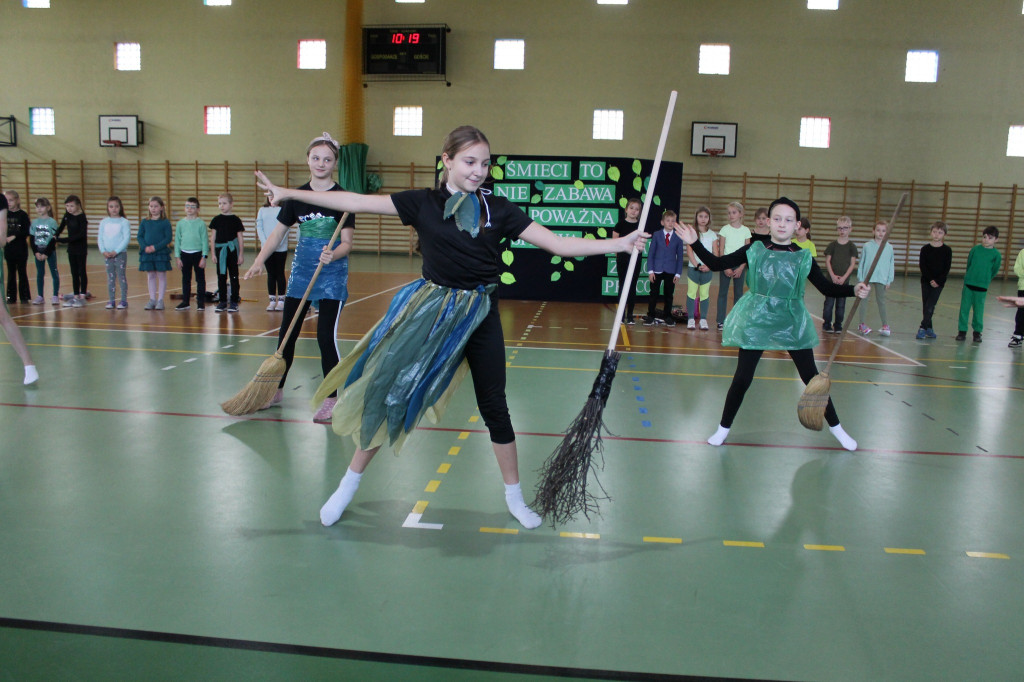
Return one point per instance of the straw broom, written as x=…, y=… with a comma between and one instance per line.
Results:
x=261, y=389
x=562, y=490
x=810, y=409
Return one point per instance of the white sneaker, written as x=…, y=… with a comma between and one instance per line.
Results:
x=280, y=303
x=692, y=324
x=273, y=303
x=704, y=325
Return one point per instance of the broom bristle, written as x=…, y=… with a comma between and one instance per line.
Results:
x=258, y=392
x=810, y=410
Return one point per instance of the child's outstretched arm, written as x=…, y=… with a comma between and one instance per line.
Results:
x=379, y=204
x=538, y=235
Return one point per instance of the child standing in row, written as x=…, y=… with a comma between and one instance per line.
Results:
x=734, y=237
x=983, y=264
x=226, y=248
x=43, y=235
x=840, y=260
x=191, y=247
x=16, y=250
x=762, y=229
x=77, y=239
x=884, y=274
x=698, y=275
x=113, y=237
x=9, y=326
x=1018, y=322
x=803, y=237
x=277, y=283
x=155, y=241
x=630, y=223
x=665, y=260
x=935, y=261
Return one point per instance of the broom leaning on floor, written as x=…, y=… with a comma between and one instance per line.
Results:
x=810, y=410
x=261, y=389
x=562, y=490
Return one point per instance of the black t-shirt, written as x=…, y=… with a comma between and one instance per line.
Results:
x=226, y=227
x=625, y=227
x=3, y=202
x=452, y=257
x=17, y=227
x=293, y=211
x=77, y=238
x=765, y=239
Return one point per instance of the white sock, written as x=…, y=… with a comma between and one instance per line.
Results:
x=719, y=436
x=335, y=505
x=31, y=375
x=843, y=437
x=517, y=506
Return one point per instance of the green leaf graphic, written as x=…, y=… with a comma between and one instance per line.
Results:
x=502, y=160
x=637, y=167
x=535, y=199
x=637, y=183
x=497, y=173
x=507, y=257
x=555, y=260
x=555, y=276
x=602, y=233
x=508, y=278
x=569, y=265
x=579, y=184
x=613, y=174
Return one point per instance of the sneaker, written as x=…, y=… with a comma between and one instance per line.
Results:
x=233, y=308
x=150, y=306
x=122, y=305
x=704, y=325
x=109, y=305
x=159, y=305
x=182, y=306
x=826, y=329
x=200, y=306
x=720, y=325
x=670, y=322
x=921, y=334
x=38, y=300
x=221, y=307
x=863, y=328
x=649, y=321
x=276, y=400
x=630, y=320
x=1015, y=341
x=692, y=324
x=55, y=300
x=326, y=412
x=930, y=333
x=961, y=336
x=77, y=302
x=273, y=304
x=977, y=337
x=88, y=295
x=885, y=331
x=67, y=300
x=280, y=303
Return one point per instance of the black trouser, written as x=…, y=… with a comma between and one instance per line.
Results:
x=622, y=264
x=746, y=364
x=190, y=264
x=929, y=298
x=1018, y=321
x=277, y=283
x=326, y=333
x=670, y=291
x=17, y=277
x=485, y=352
x=222, y=279
x=840, y=307
x=79, y=277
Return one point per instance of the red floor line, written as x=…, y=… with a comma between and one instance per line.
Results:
x=630, y=439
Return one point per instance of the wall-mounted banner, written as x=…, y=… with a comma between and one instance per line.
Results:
x=581, y=197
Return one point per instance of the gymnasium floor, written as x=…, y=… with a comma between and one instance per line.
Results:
x=146, y=535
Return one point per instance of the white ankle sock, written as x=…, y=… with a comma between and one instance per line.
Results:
x=719, y=436
x=517, y=506
x=334, y=507
x=843, y=437
x=31, y=375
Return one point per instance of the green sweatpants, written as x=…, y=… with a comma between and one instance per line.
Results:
x=972, y=299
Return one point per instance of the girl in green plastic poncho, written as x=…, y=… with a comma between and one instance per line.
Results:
x=772, y=315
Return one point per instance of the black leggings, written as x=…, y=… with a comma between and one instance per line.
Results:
x=326, y=333
x=277, y=283
x=485, y=352
x=745, y=367
x=79, y=278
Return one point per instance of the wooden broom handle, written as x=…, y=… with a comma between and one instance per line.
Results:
x=319, y=267
x=634, y=257
x=867, y=278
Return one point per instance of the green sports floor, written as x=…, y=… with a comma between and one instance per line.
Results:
x=145, y=535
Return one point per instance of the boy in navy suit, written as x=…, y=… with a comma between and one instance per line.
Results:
x=665, y=260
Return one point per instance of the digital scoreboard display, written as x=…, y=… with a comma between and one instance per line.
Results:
x=408, y=51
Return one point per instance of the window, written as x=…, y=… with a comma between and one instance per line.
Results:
x=613, y=2
x=408, y=121
x=217, y=3
x=128, y=56
x=608, y=124
x=410, y=1
x=36, y=4
x=509, y=54
x=714, y=59
x=822, y=4
x=922, y=66
x=218, y=120
x=312, y=54
x=1015, y=141
x=815, y=132
x=42, y=121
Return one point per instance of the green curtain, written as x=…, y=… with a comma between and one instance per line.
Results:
x=352, y=167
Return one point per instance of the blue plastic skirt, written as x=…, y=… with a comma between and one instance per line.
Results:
x=407, y=366
x=333, y=280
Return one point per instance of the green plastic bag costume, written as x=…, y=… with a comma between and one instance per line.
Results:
x=772, y=315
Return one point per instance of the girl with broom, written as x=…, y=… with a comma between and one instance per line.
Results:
x=410, y=363
x=316, y=226
x=773, y=315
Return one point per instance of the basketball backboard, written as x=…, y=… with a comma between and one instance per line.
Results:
x=123, y=129
x=706, y=135
x=8, y=131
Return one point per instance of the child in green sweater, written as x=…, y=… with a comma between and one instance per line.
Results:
x=191, y=247
x=982, y=265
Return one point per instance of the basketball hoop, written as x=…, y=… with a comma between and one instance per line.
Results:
x=714, y=152
x=112, y=143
